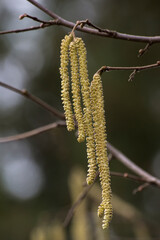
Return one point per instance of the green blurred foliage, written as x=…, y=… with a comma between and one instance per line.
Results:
x=31, y=60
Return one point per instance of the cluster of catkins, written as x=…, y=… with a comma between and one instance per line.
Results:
x=88, y=113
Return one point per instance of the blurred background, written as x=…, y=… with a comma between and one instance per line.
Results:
x=42, y=176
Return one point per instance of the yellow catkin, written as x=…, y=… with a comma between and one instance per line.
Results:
x=65, y=85
x=76, y=91
x=85, y=89
x=97, y=100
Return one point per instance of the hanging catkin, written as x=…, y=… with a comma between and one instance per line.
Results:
x=85, y=88
x=89, y=115
x=76, y=90
x=65, y=83
x=105, y=208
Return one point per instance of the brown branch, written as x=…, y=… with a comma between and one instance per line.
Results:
x=35, y=99
x=25, y=15
x=136, y=68
x=45, y=10
x=96, y=30
x=144, y=50
x=33, y=132
x=141, y=187
x=129, y=176
x=92, y=29
x=41, y=26
x=131, y=165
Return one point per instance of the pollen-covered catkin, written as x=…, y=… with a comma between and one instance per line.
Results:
x=85, y=89
x=76, y=90
x=65, y=84
x=97, y=102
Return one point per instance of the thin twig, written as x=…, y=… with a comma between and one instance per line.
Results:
x=141, y=187
x=131, y=165
x=25, y=15
x=96, y=30
x=41, y=26
x=33, y=132
x=142, y=51
x=35, y=99
x=135, y=69
x=129, y=176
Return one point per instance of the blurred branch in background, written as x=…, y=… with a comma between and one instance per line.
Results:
x=34, y=99
x=33, y=132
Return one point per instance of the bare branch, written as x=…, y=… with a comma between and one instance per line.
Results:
x=145, y=49
x=131, y=165
x=43, y=24
x=25, y=15
x=23, y=29
x=135, y=69
x=33, y=132
x=141, y=187
x=45, y=10
x=35, y=99
x=129, y=176
x=96, y=30
x=92, y=29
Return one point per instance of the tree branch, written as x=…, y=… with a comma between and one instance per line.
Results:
x=131, y=165
x=96, y=30
x=136, y=68
x=35, y=99
x=92, y=29
x=129, y=176
x=33, y=132
x=141, y=187
x=41, y=26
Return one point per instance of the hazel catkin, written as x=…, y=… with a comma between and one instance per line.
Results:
x=65, y=83
x=97, y=100
x=76, y=90
x=85, y=89
x=89, y=115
